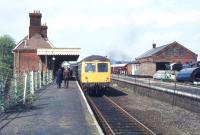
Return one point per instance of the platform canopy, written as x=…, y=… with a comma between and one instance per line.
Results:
x=67, y=54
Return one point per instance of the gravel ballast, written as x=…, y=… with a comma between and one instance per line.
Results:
x=161, y=117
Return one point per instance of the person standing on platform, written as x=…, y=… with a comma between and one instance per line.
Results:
x=66, y=76
x=59, y=78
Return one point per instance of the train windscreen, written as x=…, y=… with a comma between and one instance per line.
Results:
x=90, y=67
x=102, y=67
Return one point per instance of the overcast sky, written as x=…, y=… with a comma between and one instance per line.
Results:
x=122, y=28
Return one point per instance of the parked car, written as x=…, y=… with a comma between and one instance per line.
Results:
x=165, y=75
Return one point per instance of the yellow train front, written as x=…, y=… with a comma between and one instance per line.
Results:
x=94, y=72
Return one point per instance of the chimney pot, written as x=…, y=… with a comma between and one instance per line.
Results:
x=154, y=45
x=35, y=23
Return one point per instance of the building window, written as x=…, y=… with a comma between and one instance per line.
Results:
x=174, y=51
x=169, y=52
x=181, y=52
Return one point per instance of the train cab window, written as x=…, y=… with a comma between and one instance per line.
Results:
x=102, y=67
x=90, y=67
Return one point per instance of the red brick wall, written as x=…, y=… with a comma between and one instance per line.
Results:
x=27, y=61
x=169, y=54
x=175, y=57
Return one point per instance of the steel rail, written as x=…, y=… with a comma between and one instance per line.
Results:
x=142, y=126
x=133, y=123
x=106, y=127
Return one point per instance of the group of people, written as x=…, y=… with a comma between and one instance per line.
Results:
x=65, y=75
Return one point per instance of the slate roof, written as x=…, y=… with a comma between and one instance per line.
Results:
x=152, y=51
x=156, y=50
x=35, y=42
x=134, y=62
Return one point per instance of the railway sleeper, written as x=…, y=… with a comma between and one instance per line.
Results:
x=125, y=132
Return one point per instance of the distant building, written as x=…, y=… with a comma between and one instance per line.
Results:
x=156, y=58
x=133, y=68
x=25, y=52
x=36, y=53
x=119, y=68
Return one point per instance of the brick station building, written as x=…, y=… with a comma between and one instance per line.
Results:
x=35, y=52
x=156, y=58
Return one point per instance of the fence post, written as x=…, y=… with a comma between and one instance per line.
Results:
x=1, y=96
x=15, y=88
x=32, y=83
x=35, y=82
x=40, y=79
x=47, y=77
x=43, y=78
x=174, y=93
x=51, y=74
x=25, y=81
x=149, y=82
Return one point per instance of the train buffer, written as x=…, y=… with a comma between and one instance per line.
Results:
x=55, y=112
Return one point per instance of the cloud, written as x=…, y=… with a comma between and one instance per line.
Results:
x=196, y=36
x=152, y=36
x=130, y=25
x=164, y=18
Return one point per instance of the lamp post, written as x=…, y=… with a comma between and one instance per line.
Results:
x=53, y=59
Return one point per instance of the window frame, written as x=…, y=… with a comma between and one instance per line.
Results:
x=103, y=71
x=90, y=71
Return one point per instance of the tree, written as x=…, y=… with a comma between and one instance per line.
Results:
x=6, y=45
x=6, y=72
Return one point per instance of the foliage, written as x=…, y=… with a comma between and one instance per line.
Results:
x=6, y=56
x=6, y=45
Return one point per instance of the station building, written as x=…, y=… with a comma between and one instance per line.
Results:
x=36, y=53
x=157, y=57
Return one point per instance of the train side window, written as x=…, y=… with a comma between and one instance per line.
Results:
x=102, y=67
x=90, y=67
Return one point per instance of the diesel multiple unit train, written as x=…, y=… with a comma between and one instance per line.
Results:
x=94, y=72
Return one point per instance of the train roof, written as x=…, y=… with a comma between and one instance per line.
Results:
x=188, y=74
x=95, y=57
x=188, y=70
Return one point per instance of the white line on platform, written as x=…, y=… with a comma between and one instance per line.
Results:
x=90, y=111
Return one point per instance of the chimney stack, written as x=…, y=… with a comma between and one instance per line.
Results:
x=44, y=30
x=35, y=23
x=154, y=45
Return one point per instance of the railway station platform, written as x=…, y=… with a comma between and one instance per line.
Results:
x=61, y=111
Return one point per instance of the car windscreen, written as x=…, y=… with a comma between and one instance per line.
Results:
x=90, y=67
x=102, y=67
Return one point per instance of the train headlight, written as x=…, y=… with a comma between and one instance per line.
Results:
x=107, y=78
x=86, y=77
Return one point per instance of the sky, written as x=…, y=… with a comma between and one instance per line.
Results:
x=119, y=29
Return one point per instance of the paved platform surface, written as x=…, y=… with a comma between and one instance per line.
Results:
x=55, y=112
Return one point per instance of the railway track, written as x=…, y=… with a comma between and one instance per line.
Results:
x=114, y=120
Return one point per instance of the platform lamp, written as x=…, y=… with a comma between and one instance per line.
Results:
x=53, y=59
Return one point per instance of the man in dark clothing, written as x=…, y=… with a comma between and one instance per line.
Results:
x=66, y=76
x=59, y=78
